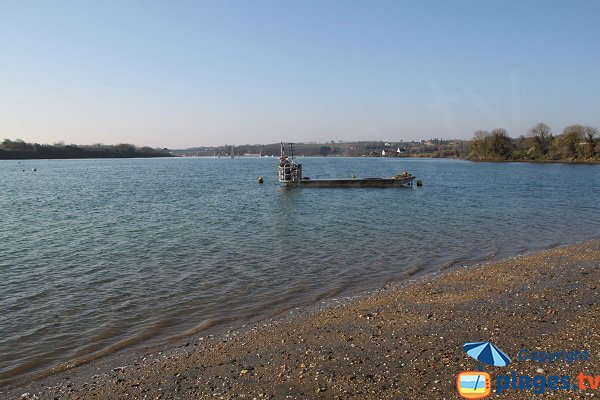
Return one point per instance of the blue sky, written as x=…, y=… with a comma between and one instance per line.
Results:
x=177, y=74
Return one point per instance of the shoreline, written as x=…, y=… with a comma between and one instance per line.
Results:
x=417, y=157
x=400, y=341
x=573, y=162
x=88, y=365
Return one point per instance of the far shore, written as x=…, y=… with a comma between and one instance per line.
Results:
x=10, y=157
x=591, y=162
x=414, y=156
x=400, y=342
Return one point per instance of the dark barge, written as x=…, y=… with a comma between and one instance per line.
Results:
x=290, y=174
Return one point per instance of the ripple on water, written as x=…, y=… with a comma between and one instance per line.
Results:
x=101, y=255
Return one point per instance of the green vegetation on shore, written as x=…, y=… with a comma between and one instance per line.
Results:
x=577, y=143
x=20, y=150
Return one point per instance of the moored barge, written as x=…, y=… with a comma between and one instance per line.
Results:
x=290, y=175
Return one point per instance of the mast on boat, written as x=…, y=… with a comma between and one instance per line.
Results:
x=289, y=170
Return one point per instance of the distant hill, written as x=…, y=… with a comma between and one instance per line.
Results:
x=20, y=150
x=429, y=148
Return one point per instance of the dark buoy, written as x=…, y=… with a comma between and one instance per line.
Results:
x=34, y=170
x=419, y=183
x=260, y=179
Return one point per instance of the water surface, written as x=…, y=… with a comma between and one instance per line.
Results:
x=100, y=255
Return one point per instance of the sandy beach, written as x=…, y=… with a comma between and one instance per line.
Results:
x=401, y=342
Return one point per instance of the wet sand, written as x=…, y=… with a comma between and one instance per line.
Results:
x=401, y=342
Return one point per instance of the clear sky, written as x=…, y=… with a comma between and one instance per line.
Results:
x=185, y=73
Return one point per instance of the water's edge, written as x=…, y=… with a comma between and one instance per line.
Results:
x=219, y=331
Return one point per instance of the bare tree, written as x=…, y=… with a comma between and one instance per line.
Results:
x=580, y=129
x=570, y=139
x=501, y=144
x=479, y=147
x=590, y=132
x=542, y=136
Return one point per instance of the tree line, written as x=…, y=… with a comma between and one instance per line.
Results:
x=18, y=150
x=575, y=143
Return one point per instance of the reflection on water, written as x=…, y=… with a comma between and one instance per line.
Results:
x=98, y=255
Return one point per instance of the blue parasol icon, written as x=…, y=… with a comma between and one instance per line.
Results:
x=487, y=353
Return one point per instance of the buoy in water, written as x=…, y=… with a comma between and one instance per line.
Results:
x=33, y=170
x=260, y=179
x=419, y=183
